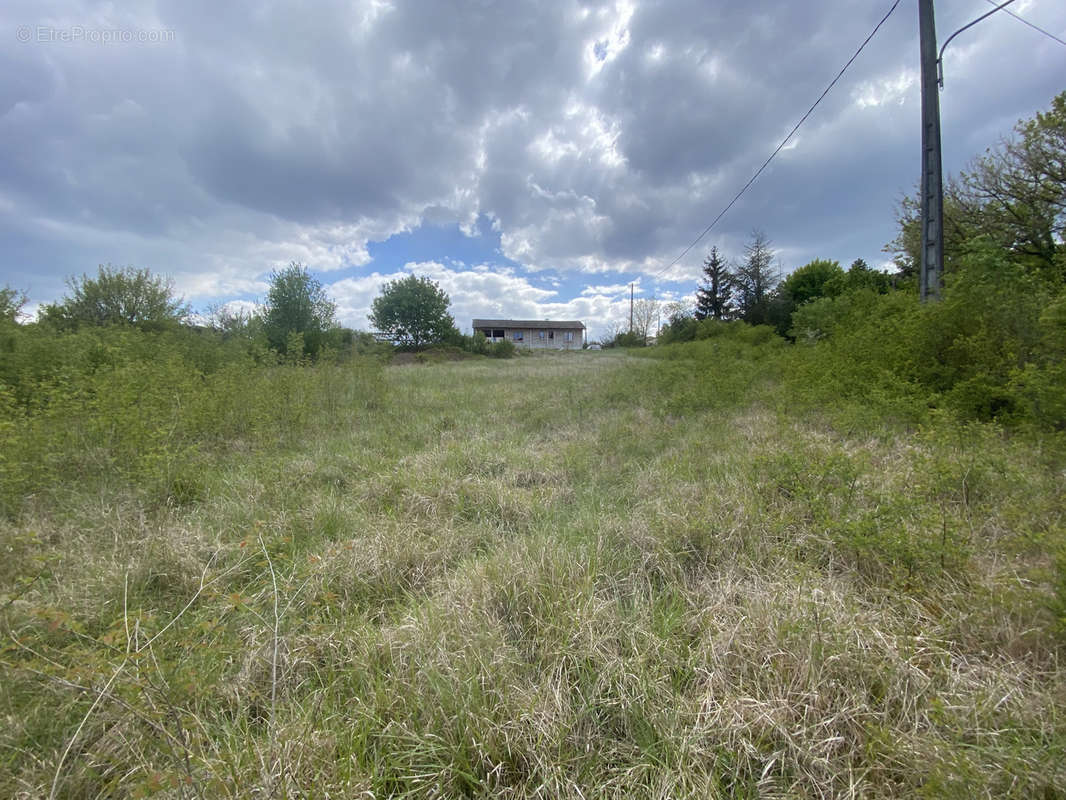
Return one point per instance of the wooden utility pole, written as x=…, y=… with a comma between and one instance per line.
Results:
x=932, y=242
x=630, y=308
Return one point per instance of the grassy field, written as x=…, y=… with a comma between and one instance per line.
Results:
x=575, y=575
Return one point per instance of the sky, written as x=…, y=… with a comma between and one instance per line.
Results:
x=534, y=159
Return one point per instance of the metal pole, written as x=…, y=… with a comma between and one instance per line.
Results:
x=630, y=308
x=932, y=238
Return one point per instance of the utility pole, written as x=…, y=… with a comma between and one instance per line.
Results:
x=631, y=308
x=932, y=241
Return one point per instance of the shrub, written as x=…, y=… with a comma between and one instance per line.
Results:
x=502, y=349
x=143, y=409
x=985, y=352
x=125, y=296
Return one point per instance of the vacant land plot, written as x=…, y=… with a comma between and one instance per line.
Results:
x=580, y=575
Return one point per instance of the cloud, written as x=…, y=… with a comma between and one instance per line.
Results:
x=598, y=137
x=605, y=290
x=475, y=293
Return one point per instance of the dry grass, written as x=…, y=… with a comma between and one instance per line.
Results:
x=527, y=579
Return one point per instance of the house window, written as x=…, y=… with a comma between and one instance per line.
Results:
x=540, y=334
x=569, y=336
x=551, y=334
x=517, y=336
x=497, y=334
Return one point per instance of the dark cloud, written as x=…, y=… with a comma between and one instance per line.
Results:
x=598, y=136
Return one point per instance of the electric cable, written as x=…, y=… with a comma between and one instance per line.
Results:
x=784, y=141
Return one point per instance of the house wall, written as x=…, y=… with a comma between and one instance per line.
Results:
x=531, y=341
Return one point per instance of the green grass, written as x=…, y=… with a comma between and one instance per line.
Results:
x=575, y=575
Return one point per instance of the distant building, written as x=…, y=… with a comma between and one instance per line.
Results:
x=535, y=334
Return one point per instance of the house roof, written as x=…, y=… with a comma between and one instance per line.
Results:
x=540, y=324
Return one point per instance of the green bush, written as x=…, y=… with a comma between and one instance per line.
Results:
x=1040, y=385
x=987, y=351
x=626, y=339
x=502, y=349
x=682, y=329
x=143, y=409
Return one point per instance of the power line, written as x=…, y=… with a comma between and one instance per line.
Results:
x=1031, y=25
x=784, y=141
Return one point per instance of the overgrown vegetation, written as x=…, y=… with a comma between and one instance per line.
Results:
x=582, y=574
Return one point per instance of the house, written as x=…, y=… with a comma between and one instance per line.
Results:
x=535, y=334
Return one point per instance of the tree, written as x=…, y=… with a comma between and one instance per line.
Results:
x=11, y=303
x=1014, y=195
x=413, y=312
x=612, y=329
x=645, y=316
x=680, y=325
x=860, y=276
x=819, y=278
x=124, y=296
x=714, y=295
x=298, y=311
x=625, y=339
x=755, y=279
x=232, y=320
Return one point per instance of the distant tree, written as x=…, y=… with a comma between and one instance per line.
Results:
x=645, y=317
x=755, y=279
x=298, y=312
x=11, y=303
x=625, y=339
x=676, y=310
x=413, y=312
x=229, y=319
x=818, y=278
x=125, y=296
x=860, y=276
x=612, y=329
x=680, y=323
x=713, y=296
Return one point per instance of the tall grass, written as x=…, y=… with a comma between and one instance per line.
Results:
x=576, y=575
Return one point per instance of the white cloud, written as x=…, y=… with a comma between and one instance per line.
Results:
x=606, y=290
x=499, y=292
x=886, y=90
x=598, y=137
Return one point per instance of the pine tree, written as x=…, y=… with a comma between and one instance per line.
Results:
x=713, y=297
x=756, y=279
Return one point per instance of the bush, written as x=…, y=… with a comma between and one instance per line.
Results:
x=124, y=296
x=682, y=329
x=986, y=352
x=144, y=409
x=1040, y=385
x=478, y=344
x=627, y=339
x=502, y=349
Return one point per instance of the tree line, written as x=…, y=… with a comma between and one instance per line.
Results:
x=752, y=289
x=1010, y=201
x=296, y=322
x=994, y=347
